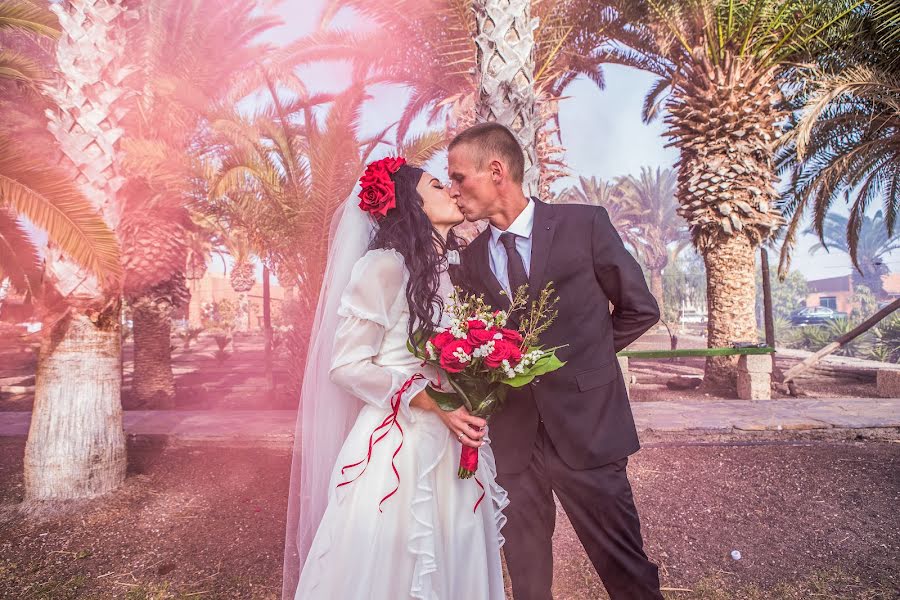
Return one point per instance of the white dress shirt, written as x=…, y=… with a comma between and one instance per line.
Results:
x=521, y=227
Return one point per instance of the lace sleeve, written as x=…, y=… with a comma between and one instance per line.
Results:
x=370, y=305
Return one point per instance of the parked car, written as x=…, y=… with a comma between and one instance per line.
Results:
x=815, y=315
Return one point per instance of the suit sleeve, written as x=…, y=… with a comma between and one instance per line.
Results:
x=634, y=308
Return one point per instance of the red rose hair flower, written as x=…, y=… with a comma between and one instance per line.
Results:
x=378, y=193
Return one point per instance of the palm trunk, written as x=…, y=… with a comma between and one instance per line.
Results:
x=731, y=298
x=152, y=383
x=723, y=120
x=656, y=287
x=267, y=331
x=505, y=45
x=76, y=444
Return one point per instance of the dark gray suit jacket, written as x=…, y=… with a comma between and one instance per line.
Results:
x=584, y=405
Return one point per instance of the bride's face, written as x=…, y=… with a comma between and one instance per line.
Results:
x=437, y=203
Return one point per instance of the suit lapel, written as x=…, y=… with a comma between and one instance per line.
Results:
x=483, y=262
x=542, y=232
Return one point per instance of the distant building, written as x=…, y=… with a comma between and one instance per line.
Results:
x=214, y=287
x=836, y=293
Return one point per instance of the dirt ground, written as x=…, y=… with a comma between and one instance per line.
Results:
x=810, y=519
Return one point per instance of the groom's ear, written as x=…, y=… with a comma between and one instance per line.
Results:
x=498, y=171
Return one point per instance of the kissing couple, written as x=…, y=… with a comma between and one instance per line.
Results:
x=376, y=510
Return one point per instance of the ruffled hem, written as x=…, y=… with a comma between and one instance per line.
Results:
x=421, y=541
x=433, y=444
x=338, y=496
x=499, y=496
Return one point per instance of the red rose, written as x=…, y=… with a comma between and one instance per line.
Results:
x=393, y=164
x=478, y=333
x=512, y=336
x=503, y=350
x=378, y=198
x=441, y=340
x=375, y=172
x=451, y=363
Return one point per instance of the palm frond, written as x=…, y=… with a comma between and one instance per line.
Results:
x=21, y=15
x=51, y=201
x=421, y=148
x=19, y=67
x=19, y=258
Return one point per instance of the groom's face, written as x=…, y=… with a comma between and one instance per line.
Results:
x=471, y=184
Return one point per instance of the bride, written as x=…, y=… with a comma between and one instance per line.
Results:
x=376, y=510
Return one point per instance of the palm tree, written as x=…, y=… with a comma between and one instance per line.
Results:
x=243, y=272
x=192, y=56
x=873, y=245
x=49, y=200
x=658, y=228
x=112, y=82
x=432, y=50
x=845, y=140
x=76, y=445
x=595, y=191
x=505, y=75
x=29, y=186
x=284, y=172
x=719, y=65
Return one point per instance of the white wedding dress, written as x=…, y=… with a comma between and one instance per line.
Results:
x=437, y=537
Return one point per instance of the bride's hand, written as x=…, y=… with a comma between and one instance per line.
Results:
x=458, y=421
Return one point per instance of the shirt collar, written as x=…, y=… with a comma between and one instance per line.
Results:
x=521, y=227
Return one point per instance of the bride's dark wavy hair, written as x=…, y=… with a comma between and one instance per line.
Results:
x=407, y=229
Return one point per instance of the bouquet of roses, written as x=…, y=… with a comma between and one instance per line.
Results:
x=483, y=358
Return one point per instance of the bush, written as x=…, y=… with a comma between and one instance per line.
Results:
x=219, y=316
x=887, y=339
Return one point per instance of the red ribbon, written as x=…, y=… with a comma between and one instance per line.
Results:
x=387, y=425
x=482, y=495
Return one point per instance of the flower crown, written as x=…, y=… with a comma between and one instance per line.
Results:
x=378, y=192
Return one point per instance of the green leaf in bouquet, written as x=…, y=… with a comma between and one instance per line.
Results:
x=446, y=400
x=416, y=346
x=546, y=364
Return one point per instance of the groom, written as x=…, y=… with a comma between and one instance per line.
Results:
x=570, y=431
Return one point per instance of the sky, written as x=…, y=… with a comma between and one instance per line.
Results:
x=601, y=130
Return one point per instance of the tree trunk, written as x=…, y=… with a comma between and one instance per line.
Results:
x=76, y=444
x=505, y=65
x=723, y=118
x=768, y=316
x=656, y=288
x=731, y=298
x=152, y=382
x=267, y=331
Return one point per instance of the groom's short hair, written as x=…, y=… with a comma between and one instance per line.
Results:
x=493, y=139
